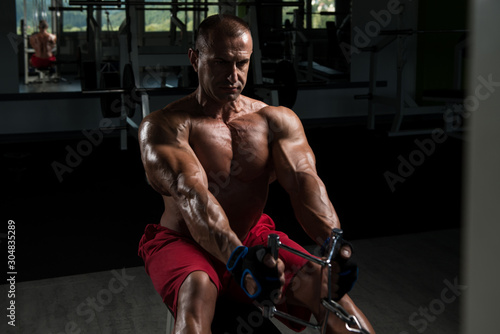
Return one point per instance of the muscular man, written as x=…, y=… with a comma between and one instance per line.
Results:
x=43, y=43
x=212, y=155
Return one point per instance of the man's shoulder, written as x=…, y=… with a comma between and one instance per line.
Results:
x=276, y=111
x=279, y=116
x=173, y=117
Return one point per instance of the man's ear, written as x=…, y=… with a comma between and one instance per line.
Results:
x=193, y=58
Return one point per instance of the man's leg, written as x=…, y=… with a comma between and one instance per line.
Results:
x=195, y=304
x=306, y=291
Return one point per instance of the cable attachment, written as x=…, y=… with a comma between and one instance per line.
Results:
x=351, y=322
x=347, y=276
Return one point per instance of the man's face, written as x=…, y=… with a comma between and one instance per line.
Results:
x=223, y=66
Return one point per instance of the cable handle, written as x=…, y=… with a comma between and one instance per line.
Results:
x=273, y=242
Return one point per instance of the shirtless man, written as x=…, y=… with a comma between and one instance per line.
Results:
x=43, y=43
x=212, y=155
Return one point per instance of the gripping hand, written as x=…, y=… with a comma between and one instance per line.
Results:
x=348, y=274
x=245, y=261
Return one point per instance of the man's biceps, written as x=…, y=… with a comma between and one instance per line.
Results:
x=160, y=158
x=296, y=150
x=285, y=175
x=183, y=153
x=292, y=166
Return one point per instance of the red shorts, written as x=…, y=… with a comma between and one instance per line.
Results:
x=170, y=257
x=42, y=62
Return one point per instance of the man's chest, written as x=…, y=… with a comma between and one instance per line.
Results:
x=239, y=149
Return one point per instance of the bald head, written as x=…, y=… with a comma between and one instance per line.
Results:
x=215, y=25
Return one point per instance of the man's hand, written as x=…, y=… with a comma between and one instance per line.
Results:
x=251, y=285
x=258, y=273
x=344, y=273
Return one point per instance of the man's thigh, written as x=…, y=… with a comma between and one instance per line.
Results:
x=172, y=261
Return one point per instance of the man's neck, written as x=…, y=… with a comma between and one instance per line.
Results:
x=224, y=111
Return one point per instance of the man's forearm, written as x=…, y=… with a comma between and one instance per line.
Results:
x=208, y=224
x=313, y=207
x=202, y=213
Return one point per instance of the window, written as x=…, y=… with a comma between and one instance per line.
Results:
x=159, y=19
x=288, y=12
x=74, y=19
x=322, y=11
x=111, y=19
x=36, y=10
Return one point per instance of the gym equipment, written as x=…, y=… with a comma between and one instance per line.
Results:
x=110, y=103
x=40, y=12
x=248, y=318
x=409, y=32
x=121, y=100
x=405, y=104
x=173, y=55
x=332, y=252
x=111, y=92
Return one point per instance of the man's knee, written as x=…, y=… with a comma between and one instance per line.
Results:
x=197, y=289
x=306, y=288
x=196, y=303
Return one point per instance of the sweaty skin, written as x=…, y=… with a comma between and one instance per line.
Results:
x=212, y=156
x=43, y=43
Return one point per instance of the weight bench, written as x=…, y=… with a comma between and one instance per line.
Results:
x=44, y=74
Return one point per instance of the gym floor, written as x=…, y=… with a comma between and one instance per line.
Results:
x=76, y=233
